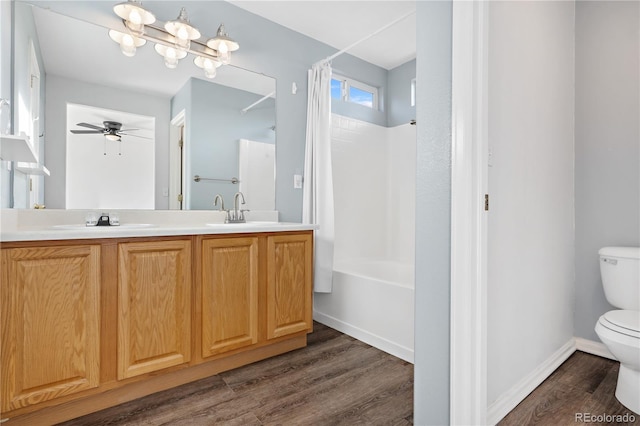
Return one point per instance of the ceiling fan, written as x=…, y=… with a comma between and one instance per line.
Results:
x=112, y=130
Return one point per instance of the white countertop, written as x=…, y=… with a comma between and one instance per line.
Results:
x=32, y=225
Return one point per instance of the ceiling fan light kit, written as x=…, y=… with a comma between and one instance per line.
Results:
x=112, y=131
x=173, y=40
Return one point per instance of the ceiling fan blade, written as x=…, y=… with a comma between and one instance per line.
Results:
x=91, y=126
x=135, y=136
x=86, y=132
x=127, y=130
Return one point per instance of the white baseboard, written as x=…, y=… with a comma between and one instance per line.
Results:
x=508, y=400
x=365, y=336
x=593, y=348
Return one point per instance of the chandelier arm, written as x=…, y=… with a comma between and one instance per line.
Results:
x=156, y=33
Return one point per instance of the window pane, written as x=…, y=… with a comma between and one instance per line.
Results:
x=360, y=96
x=336, y=89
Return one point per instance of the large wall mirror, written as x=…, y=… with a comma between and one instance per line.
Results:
x=179, y=124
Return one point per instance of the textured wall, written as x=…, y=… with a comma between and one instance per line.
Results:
x=433, y=213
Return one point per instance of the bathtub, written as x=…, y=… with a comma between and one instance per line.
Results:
x=372, y=301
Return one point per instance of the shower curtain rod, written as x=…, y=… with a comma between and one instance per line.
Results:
x=352, y=45
x=244, y=110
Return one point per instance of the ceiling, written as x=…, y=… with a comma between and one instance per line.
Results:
x=335, y=23
x=77, y=57
x=342, y=23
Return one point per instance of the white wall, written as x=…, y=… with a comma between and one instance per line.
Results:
x=607, y=145
x=61, y=91
x=104, y=174
x=530, y=235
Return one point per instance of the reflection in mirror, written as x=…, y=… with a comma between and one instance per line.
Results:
x=210, y=117
x=113, y=170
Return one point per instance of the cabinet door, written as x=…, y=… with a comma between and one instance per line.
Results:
x=229, y=294
x=154, y=299
x=289, y=284
x=50, y=302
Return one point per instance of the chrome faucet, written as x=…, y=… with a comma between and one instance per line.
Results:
x=221, y=208
x=215, y=202
x=237, y=215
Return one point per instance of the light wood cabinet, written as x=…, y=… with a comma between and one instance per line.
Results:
x=289, y=284
x=154, y=306
x=229, y=282
x=89, y=324
x=50, y=302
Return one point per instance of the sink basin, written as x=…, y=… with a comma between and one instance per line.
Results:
x=122, y=225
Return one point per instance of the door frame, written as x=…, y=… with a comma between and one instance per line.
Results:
x=177, y=162
x=469, y=184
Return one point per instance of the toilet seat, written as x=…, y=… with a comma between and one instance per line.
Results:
x=622, y=321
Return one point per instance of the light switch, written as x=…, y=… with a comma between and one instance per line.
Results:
x=297, y=181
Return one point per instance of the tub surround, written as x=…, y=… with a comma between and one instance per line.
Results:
x=373, y=275
x=150, y=307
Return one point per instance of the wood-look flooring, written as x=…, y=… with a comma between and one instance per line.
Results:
x=338, y=380
x=335, y=380
x=584, y=385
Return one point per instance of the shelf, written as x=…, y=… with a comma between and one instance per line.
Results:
x=16, y=148
x=32, y=169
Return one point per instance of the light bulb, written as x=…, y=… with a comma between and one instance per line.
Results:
x=127, y=45
x=182, y=33
x=134, y=17
x=171, y=62
x=209, y=68
x=182, y=39
x=225, y=57
x=170, y=58
x=210, y=72
x=170, y=53
x=182, y=30
x=208, y=65
x=127, y=42
x=223, y=45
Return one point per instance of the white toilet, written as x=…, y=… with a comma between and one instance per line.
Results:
x=619, y=330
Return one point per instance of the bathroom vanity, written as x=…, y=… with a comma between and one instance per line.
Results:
x=92, y=318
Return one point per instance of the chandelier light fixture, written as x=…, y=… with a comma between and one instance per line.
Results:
x=173, y=40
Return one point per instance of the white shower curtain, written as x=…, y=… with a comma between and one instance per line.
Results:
x=317, y=195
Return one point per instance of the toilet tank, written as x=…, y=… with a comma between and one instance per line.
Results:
x=620, y=272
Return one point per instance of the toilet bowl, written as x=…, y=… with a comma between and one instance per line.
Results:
x=619, y=329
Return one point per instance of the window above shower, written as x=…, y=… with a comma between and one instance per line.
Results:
x=353, y=91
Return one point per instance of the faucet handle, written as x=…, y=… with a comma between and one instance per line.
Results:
x=215, y=201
